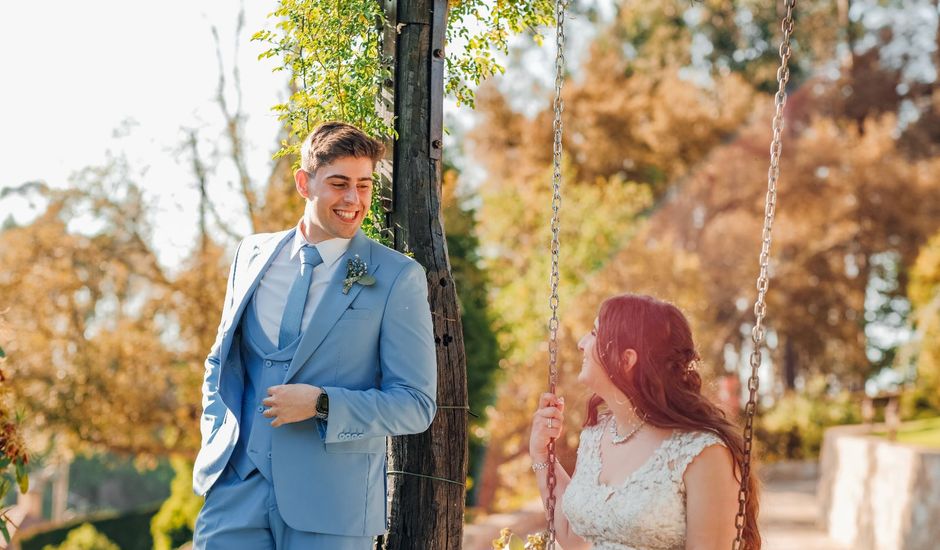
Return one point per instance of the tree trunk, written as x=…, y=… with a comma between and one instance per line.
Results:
x=425, y=513
x=790, y=365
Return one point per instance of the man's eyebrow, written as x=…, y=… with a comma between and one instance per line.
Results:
x=345, y=178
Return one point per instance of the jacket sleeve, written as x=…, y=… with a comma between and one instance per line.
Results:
x=213, y=410
x=405, y=402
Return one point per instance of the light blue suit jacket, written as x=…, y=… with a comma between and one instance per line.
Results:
x=372, y=350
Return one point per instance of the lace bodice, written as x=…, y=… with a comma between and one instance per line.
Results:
x=644, y=512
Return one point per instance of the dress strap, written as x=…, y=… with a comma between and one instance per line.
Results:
x=685, y=447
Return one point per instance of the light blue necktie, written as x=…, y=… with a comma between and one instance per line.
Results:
x=297, y=296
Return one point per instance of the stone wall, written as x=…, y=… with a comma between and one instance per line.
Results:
x=877, y=494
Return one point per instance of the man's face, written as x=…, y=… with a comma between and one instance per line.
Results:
x=338, y=197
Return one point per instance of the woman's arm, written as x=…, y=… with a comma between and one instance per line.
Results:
x=551, y=410
x=711, y=500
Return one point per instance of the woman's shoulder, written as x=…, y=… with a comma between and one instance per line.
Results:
x=698, y=446
x=699, y=438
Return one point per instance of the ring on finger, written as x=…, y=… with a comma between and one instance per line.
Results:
x=550, y=421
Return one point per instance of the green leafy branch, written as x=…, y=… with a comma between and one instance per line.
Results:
x=333, y=53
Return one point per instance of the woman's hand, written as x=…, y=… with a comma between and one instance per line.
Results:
x=546, y=425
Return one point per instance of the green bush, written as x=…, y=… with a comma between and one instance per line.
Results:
x=129, y=531
x=793, y=428
x=174, y=523
x=85, y=537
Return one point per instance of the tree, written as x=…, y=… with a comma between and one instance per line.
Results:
x=95, y=339
x=924, y=290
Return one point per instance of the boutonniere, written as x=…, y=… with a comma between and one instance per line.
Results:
x=357, y=272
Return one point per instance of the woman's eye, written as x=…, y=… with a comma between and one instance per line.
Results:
x=594, y=332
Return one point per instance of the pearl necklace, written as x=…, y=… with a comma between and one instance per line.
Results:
x=616, y=438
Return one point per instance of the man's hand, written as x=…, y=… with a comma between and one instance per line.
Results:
x=291, y=403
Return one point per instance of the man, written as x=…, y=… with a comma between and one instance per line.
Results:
x=325, y=348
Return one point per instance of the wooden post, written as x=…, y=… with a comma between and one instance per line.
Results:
x=427, y=498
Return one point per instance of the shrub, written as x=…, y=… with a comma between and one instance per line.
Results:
x=793, y=428
x=129, y=531
x=174, y=523
x=85, y=537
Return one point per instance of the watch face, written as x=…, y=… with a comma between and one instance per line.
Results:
x=323, y=403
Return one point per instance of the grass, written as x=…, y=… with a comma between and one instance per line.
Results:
x=925, y=432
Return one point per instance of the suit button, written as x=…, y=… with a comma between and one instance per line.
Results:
x=269, y=455
x=286, y=366
x=267, y=363
x=260, y=409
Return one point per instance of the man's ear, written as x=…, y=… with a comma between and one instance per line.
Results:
x=628, y=359
x=301, y=182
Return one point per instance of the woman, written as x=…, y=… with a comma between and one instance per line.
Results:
x=659, y=467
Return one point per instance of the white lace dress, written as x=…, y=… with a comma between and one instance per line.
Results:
x=644, y=512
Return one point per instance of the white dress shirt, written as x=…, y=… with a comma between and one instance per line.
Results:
x=276, y=282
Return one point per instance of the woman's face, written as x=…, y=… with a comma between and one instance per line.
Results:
x=592, y=372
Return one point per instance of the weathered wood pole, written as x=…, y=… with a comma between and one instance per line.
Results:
x=426, y=471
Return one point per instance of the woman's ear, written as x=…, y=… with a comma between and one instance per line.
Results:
x=628, y=359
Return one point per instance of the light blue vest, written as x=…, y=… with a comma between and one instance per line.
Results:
x=265, y=366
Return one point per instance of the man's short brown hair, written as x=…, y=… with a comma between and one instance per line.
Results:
x=335, y=140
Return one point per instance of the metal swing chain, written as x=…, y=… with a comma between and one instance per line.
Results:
x=763, y=279
x=560, y=7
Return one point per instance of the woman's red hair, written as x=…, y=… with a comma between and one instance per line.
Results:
x=664, y=384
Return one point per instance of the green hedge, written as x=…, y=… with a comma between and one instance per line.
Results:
x=130, y=531
x=793, y=427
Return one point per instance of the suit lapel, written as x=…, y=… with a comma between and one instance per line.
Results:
x=333, y=303
x=259, y=258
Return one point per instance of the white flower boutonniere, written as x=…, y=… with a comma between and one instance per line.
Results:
x=357, y=272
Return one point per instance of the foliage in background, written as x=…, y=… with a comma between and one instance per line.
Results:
x=105, y=481
x=482, y=348
x=671, y=99
x=792, y=429
x=129, y=531
x=175, y=522
x=924, y=291
x=13, y=455
x=102, y=331
x=85, y=537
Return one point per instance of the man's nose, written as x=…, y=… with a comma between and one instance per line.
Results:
x=350, y=196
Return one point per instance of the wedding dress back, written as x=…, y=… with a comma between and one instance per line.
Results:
x=646, y=511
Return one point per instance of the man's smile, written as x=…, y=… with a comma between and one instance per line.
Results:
x=346, y=215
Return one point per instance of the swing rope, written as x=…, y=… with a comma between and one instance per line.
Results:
x=560, y=8
x=763, y=279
